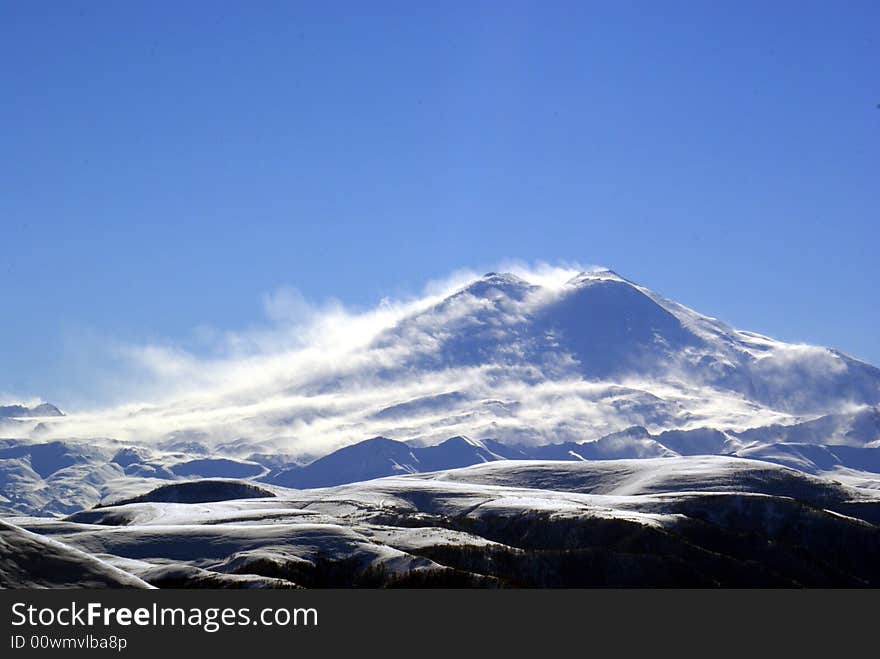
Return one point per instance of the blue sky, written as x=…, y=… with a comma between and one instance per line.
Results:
x=164, y=168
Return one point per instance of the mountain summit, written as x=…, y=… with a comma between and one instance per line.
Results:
x=600, y=326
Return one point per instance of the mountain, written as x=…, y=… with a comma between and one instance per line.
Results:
x=380, y=456
x=41, y=410
x=521, y=362
x=859, y=428
x=602, y=327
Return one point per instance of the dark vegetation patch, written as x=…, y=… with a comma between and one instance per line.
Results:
x=724, y=541
x=203, y=491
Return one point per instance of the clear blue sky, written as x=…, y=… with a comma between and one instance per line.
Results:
x=166, y=164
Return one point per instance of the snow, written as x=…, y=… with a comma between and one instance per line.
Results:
x=390, y=522
x=582, y=397
x=29, y=560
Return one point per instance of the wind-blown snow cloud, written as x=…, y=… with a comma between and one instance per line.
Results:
x=302, y=341
x=307, y=371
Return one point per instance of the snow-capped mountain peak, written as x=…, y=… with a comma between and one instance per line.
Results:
x=603, y=274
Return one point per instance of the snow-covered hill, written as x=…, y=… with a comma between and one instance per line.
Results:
x=30, y=560
x=683, y=521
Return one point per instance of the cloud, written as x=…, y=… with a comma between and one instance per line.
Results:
x=309, y=368
x=301, y=341
x=552, y=276
x=803, y=357
x=287, y=305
